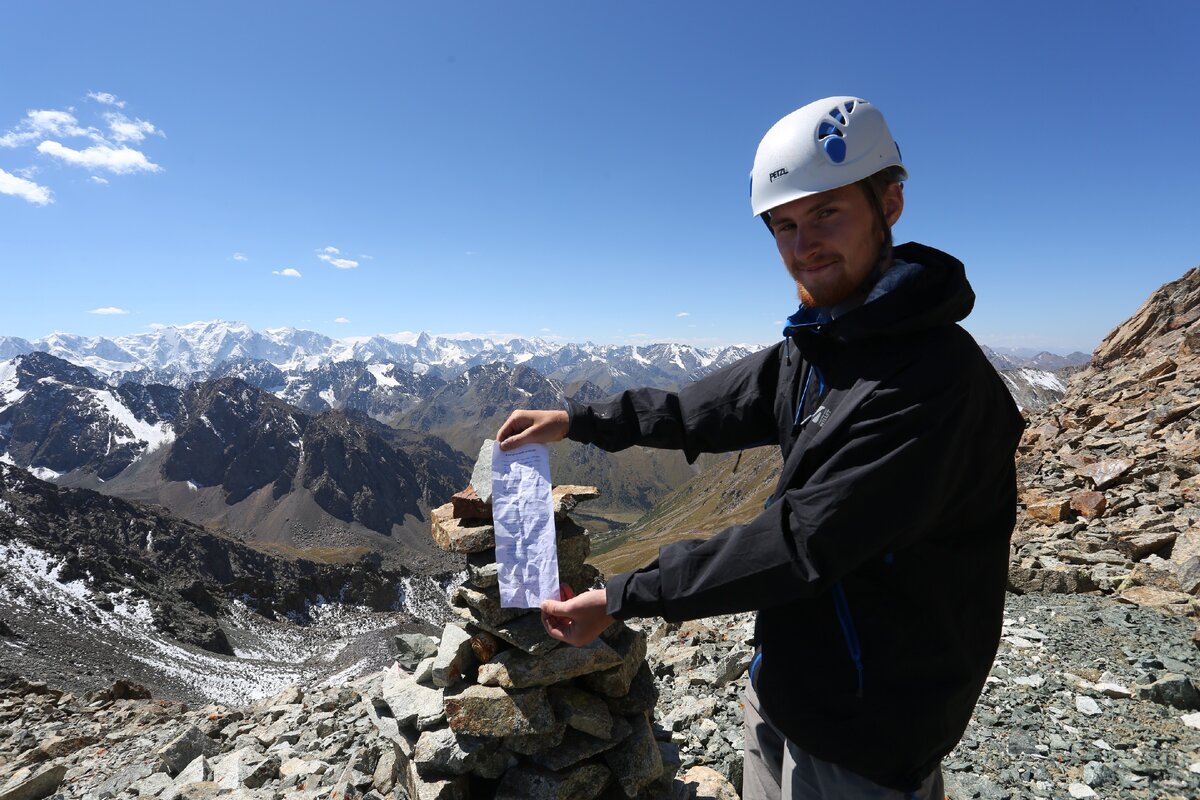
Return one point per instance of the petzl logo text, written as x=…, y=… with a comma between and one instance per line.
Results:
x=779, y=173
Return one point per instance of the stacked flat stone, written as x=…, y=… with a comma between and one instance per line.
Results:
x=504, y=710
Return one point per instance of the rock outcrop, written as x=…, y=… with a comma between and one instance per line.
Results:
x=1110, y=476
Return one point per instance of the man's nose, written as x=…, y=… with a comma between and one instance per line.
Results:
x=805, y=244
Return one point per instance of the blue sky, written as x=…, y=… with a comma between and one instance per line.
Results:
x=569, y=169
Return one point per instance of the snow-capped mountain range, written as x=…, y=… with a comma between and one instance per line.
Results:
x=176, y=355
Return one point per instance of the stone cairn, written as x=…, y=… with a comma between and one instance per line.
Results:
x=499, y=708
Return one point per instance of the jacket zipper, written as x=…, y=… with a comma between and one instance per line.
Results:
x=849, y=632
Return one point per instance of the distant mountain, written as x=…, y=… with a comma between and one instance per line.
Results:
x=183, y=575
x=224, y=453
x=1035, y=378
x=1015, y=357
x=56, y=417
x=378, y=390
x=179, y=355
x=386, y=374
x=472, y=407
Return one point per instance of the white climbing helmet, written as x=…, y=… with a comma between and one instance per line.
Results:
x=830, y=143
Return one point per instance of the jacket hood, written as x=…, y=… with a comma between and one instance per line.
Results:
x=925, y=288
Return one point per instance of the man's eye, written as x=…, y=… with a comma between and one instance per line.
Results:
x=826, y=212
x=783, y=227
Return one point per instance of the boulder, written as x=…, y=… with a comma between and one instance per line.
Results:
x=630, y=645
x=491, y=711
x=585, y=782
x=413, y=648
x=1049, y=512
x=705, y=783
x=460, y=536
x=516, y=669
x=1088, y=504
x=454, y=657
x=636, y=762
x=1104, y=474
x=184, y=749
x=467, y=505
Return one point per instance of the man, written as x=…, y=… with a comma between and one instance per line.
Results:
x=878, y=567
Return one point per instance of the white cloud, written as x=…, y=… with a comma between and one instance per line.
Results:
x=683, y=314
x=107, y=99
x=40, y=123
x=108, y=311
x=125, y=129
x=99, y=180
x=327, y=254
x=119, y=160
x=240, y=257
x=156, y=326
x=25, y=189
x=286, y=273
x=341, y=321
x=545, y=330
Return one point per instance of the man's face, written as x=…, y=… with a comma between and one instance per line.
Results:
x=830, y=241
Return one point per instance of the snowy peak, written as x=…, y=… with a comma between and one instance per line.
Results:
x=178, y=355
x=56, y=417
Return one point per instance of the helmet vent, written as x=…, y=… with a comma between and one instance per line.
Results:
x=836, y=114
x=850, y=107
x=827, y=129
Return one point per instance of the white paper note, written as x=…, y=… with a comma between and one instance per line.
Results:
x=523, y=512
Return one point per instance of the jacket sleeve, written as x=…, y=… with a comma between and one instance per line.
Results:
x=731, y=409
x=905, y=465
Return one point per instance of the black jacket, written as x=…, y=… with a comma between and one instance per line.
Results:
x=878, y=567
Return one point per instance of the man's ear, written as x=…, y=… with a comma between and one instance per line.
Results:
x=892, y=203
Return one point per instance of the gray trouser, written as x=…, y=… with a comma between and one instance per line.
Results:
x=776, y=769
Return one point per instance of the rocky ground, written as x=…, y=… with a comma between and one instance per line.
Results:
x=1088, y=697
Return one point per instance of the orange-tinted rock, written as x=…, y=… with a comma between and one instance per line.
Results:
x=484, y=645
x=1186, y=546
x=1090, y=505
x=1172, y=602
x=1049, y=511
x=467, y=505
x=1161, y=368
x=567, y=496
x=455, y=536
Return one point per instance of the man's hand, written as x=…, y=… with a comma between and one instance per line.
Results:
x=532, y=427
x=576, y=620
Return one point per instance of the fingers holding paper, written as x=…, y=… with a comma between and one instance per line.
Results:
x=525, y=426
x=576, y=620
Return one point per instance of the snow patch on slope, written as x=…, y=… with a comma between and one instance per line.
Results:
x=154, y=436
x=382, y=375
x=1042, y=379
x=9, y=393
